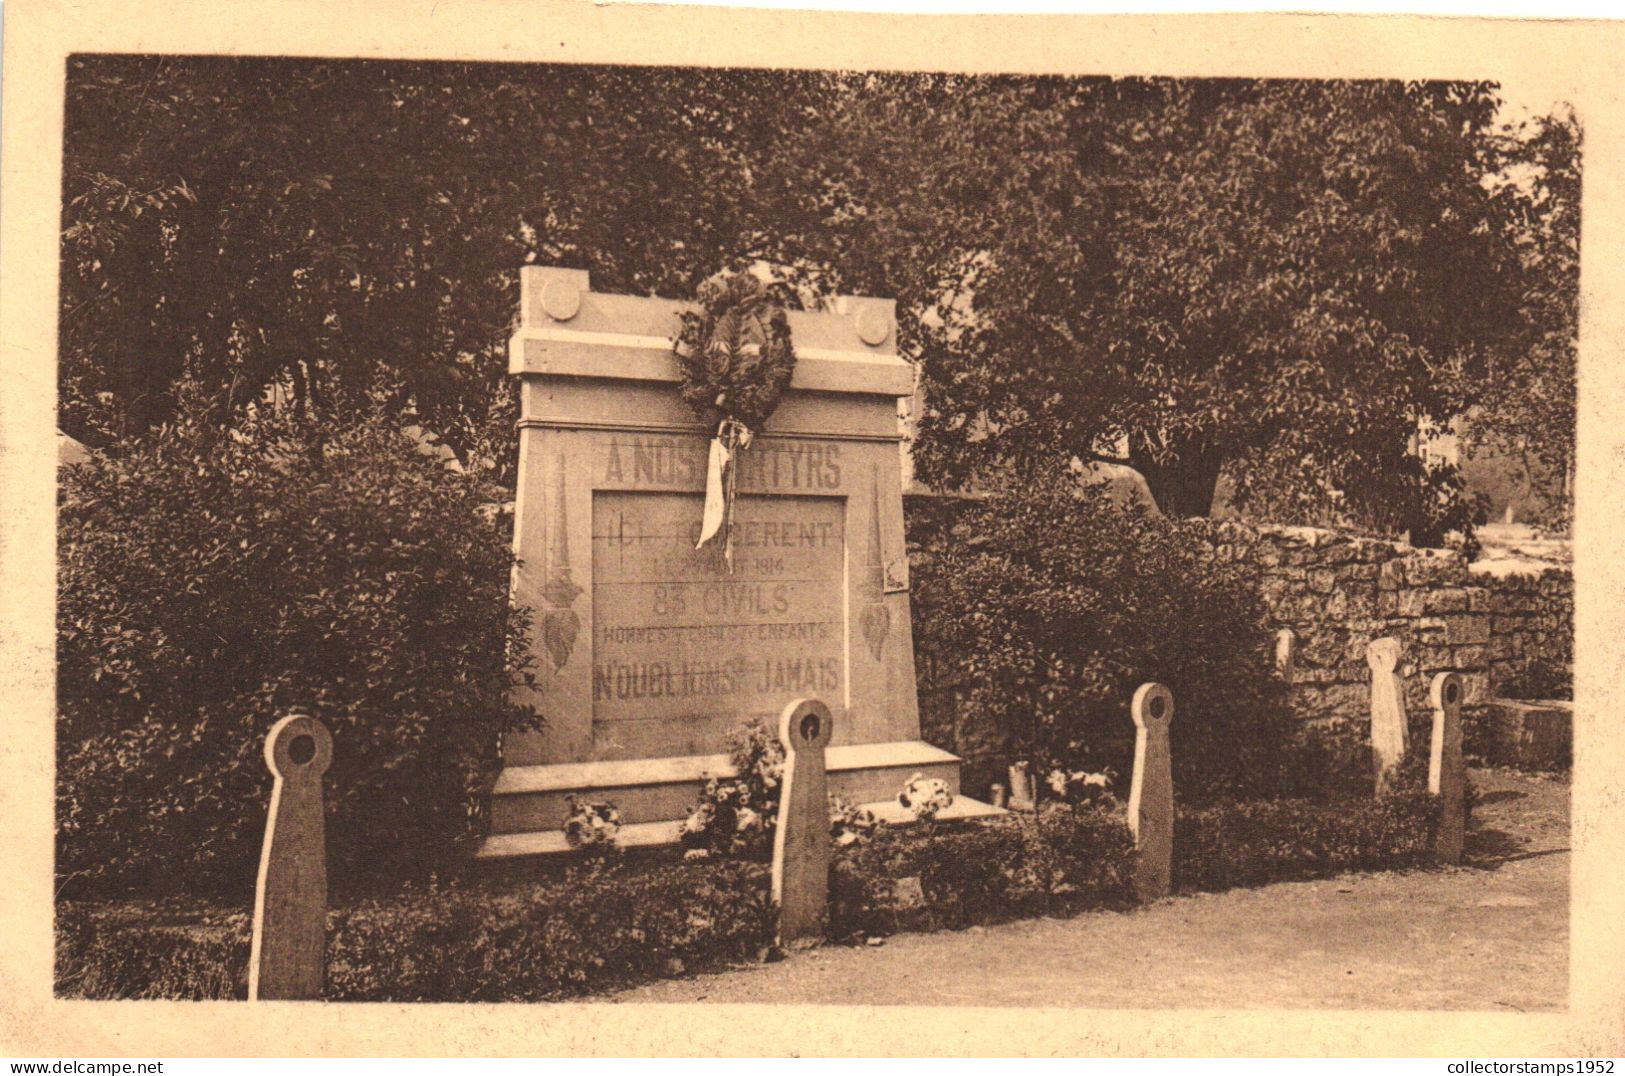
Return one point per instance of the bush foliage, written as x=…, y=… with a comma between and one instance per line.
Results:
x=1248, y=844
x=1067, y=859
x=612, y=923
x=594, y=929
x=1046, y=605
x=210, y=583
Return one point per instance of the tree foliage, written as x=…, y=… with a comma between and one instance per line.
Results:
x=1195, y=277
x=1527, y=404
x=334, y=225
x=1191, y=271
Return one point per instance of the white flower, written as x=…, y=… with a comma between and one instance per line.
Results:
x=1057, y=782
x=925, y=797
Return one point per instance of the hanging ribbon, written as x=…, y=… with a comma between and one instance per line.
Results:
x=715, y=498
x=721, y=481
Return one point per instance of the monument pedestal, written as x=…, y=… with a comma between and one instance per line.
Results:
x=649, y=652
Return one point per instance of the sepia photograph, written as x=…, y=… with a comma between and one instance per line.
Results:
x=923, y=536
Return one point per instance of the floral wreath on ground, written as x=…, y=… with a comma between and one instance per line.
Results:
x=739, y=814
x=591, y=825
x=735, y=360
x=925, y=796
x=1081, y=787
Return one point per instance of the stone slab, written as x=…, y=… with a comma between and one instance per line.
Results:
x=1530, y=735
x=650, y=652
x=574, y=775
x=865, y=773
x=657, y=834
x=551, y=842
x=962, y=809
x=682, y=652
x=648, y=648
x=567, y=330
x=1388, y=723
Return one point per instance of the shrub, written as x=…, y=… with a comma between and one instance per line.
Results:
x=610, y=924
x=1065, y=859
x=151, y=950
x=1386, y=490
x=1332, y=761
x=597, y=928
x=211, y=582
x=1044, y=607
x=1247, y=844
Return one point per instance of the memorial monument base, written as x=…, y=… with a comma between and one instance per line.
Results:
x=650, y=646
x=655, y=795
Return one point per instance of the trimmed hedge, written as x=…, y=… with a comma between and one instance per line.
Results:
x=146, y=949
x=607, y=925
x=593, y=930
x=1067, y=860
x=1249, y=844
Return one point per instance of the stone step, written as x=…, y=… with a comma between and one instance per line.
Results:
x=963, y=807
x=531, y=799
x=652, y=834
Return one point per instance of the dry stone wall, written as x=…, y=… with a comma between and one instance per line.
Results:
x=1338, y=592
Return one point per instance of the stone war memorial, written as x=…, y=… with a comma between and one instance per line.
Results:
x=651, y=652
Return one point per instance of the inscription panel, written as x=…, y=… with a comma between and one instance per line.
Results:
x=769, y=465
x=683, y=651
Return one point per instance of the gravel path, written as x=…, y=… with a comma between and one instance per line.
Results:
x=1492, y=935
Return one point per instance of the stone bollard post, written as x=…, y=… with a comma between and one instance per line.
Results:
x=1388, y=731
x=1023, y=788
x=1447, y=775
x=288, y=954
x=801, y=847
x=1286, y=653
x=1151, y=798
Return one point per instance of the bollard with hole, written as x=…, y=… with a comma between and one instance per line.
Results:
x=288, y=953
x=1447, y=775
x=1388, y=731
x=1151, y=797
x=801, y=847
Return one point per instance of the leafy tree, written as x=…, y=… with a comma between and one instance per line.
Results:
x=332, y=225
x=1179, y=275
x=1527, y=403
x=1193, y=277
